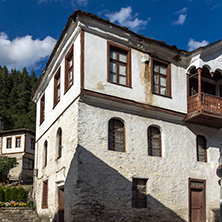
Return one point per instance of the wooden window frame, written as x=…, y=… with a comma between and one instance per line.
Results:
x=17, y=137
x=57, y=87
x=67, y=81
x=111, y=135
x=127, y=64
x=205, y=149
x=136, y=190
x=42, y=109
x=45, y=194
x=45, y=153
x=150, y=138
x=168, y=77
x=7, y=143
x=198, y=188
x=59, y=143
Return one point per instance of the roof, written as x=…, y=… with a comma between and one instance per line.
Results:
x=13, y=131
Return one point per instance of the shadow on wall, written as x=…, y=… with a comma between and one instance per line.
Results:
x=216, y=215
x=96, y=192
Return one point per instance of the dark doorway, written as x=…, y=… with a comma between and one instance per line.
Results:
x=61, y=204
x=197, y=199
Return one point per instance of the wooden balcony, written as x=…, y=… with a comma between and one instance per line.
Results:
x=205, y=109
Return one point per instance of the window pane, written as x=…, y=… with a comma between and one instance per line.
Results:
x=155, y=68
x=113, y=77
x=155, y=79
x=162, y=81
x=122, y=80
x=163, y=69
x=155, y=152
x=122, y=70
x=156, y=89
x=119, y=147
x=122, y=57
x=113, y=54
x=162, y=91
x=70, y=63
x=112, y=67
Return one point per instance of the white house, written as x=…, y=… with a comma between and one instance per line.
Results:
x=128, y=128
x=19, y=144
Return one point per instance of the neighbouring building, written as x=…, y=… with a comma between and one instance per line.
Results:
x=128, y=128
x=19, y=144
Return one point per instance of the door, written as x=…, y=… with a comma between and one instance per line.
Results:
x=197, y=200
x=61, y=204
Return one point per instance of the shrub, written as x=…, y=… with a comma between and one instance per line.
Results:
x=14, y=194
x=7, y=194
x=22, y=194
x=2, y=199
x=30, y=204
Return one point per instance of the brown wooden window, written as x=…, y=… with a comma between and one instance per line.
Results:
x=9, y=143
x=116, y=135
x=119, y=64
x=201, y=149
x=42, y=109
x=59, y=142
x=154, y=141
x=161, y=78
x=45, y=194
x=69, y=60
x=139, y=197
x=32, y=144
x=18, y=142
x=57, y=89
x=45, y=153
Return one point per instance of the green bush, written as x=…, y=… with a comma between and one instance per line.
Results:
x=30, y=204
x=2, y=199
x=14, y=194
x=8, y=194
x=22, y=194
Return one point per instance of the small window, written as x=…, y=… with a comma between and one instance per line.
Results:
x=139, y=196
x=154, y=141
x=119, y=65
x=45, y=194
x=9, y=143
x=59, y=143
x=201, y=149
x=161, y=78
x=69, y=60
x=32, y=144
x=18, y=142
x=57, y=89
x=45, y=154
x=116, y=135
x=42, y=109
x=28, y=164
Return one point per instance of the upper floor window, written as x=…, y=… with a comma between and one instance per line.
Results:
x=139, y=197
x=57, y=89
x=32, y=144
x=119, y=64
x=201, y=149
x=42, y=109
x=69, y=60
x=45, y=194
x=9, y=143
x=154, y=141
x=116, y=135
x=161, y=78
x=18, y=142
x=45, y=153
x=59, y=142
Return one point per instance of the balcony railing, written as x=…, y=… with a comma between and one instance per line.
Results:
x=205, y=103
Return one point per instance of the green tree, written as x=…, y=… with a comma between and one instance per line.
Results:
x=6, y=163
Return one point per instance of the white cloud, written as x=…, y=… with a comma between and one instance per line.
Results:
x=192, y=44
x=73, y=3
x=181, y=17
x=124, y=17
x=24, y=51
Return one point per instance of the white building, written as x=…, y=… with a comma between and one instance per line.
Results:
x=128, y=128
x=19, y=144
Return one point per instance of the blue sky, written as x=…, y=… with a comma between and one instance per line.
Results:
x=29, y=28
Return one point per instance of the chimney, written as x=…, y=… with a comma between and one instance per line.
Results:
x=1, y=124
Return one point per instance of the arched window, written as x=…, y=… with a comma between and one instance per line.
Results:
x=45, y=153
x=59, y=143
x=116, y=135
x=154, y=141
x=201, y=149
